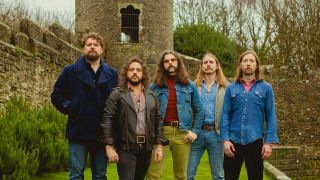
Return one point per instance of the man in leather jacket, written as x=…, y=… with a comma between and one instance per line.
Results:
x=132, y=123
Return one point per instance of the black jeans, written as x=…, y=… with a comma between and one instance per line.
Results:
x=133, y=165
x=251, y=154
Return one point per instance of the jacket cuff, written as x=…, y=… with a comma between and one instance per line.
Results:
x=270, y=139
x=106, y=141
x=162, y=140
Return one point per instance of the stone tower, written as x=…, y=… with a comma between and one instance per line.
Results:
x=130, y=27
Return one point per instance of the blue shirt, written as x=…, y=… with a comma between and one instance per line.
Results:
x=245, y=113
x=208, y=100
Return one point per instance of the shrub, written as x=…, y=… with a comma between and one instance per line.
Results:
x=31, y=140
x=195, y=40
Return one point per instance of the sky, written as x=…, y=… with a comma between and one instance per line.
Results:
x=47, y=5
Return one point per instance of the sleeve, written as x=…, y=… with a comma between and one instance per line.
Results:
x=61, y=94
x=226, y=116
x=198, y=111
x=109, y=114
x=160, y=139
x=270, y=118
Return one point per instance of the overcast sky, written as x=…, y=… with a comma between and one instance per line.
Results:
x=48, y=5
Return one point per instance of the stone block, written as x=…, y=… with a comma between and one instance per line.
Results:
x=50, y=39
x=31, y=29
x=22, y=40
x=59, y=31
x=5, y=33
x=69, y=52
x=40, y=49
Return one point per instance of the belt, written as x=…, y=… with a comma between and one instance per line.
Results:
x=209, y=127
x=141, y=139
x=172, y=123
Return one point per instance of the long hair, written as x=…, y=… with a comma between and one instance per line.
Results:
x=161, y=75
x=258, y=72
x=222, y=81
x=123, y=81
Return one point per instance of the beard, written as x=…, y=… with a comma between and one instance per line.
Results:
x=134, y=82
x=171, y=69
x=92, y=56
x=248, y=72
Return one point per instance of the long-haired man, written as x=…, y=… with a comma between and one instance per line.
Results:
x=248, y=105
x=132, y=123
x=181, y=109
x=211, y=84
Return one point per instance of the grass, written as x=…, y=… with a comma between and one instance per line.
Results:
x=202, y=173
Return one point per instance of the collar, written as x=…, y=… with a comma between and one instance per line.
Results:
x=244, y=82
x=130, y=89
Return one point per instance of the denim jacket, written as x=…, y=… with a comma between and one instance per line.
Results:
x=244, y=114
x=189, y=105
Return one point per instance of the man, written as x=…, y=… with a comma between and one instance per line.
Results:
x=248, y=104
x=211, y=84
x=132, y=123
x=180, y=105
x=80, y=93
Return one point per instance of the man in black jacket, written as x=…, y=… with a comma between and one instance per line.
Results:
x=80, y=93
x=132, y=123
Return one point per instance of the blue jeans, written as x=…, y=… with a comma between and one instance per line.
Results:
x=78, y=156
x=207, y=140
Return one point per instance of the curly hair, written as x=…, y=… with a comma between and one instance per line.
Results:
x=220, y=75
x=258, y=72
x=123, y=81
x=161, y=75
x=92, y=35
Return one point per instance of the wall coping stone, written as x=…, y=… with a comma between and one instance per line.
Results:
x=22, y=40
x=31, y=29
x=286, y=147
x=274, y=172
x=5, y=32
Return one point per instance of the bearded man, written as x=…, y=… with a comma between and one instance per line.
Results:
x=80, y=93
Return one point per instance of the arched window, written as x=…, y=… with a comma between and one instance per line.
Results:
x=129, y=25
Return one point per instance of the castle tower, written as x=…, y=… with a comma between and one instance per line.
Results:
x=130, y=27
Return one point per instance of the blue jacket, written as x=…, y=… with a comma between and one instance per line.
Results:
x=189, y=105
x=76, y=95
x=244, y=114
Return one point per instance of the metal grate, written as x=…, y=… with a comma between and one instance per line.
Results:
x=129, y=25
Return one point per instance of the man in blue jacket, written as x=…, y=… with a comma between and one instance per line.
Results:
x=80, y=93
x=248, y=105
x=182, y=111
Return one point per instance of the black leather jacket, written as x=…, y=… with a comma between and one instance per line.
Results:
x=119, y=121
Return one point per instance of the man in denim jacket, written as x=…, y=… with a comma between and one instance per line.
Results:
x=248, y=104
x=181, y=109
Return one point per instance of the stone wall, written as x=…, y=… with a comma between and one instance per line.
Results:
x=297, y=96
x=31, y=59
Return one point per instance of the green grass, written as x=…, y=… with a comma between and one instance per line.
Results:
x=202, y=173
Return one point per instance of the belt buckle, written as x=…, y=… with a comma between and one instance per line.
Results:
x=141, y=139
x=174, y=123
x=208, y=127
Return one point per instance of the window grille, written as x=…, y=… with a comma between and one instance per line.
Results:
x=129, y=25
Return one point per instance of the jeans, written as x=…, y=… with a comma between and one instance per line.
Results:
x=207, y=140
x=78, y=156
x=251, y=155
x=180, y=156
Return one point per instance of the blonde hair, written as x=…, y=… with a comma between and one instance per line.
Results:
x=222, y=81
